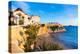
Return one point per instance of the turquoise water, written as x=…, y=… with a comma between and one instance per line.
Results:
x=69, y=38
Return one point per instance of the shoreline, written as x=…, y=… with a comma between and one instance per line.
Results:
x=47, y=39
x=53, y=36
x=70, y=45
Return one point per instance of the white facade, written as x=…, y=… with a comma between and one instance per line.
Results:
x=35, y=19
x=17, y=17
x=27, y=19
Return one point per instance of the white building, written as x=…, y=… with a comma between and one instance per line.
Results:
x=35, y=20
x=20, y=18
x=26, y=20
x=18, y=14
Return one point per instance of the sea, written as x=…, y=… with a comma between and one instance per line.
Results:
x=69, y=38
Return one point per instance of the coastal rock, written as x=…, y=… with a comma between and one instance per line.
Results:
x=17, y=39
x=42, y=30
x=60, y=30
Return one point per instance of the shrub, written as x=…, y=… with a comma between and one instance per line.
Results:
x=54, y=27
x=32, y=31
x=52, y=47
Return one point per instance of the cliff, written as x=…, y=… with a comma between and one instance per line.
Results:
x=17, y=39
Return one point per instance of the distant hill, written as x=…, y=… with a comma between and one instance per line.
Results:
x=54, y=24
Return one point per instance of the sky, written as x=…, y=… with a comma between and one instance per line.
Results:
x=49, y=12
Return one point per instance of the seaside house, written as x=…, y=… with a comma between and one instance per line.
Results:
x=18, y=15
x=20, y=18
x=35, y=20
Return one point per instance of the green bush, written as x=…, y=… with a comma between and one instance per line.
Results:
x=32, y=31
x=54, y=28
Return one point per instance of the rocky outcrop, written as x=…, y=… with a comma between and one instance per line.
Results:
x=17, y=39
x=60, y=30
x=56, y=27
x=42, y=30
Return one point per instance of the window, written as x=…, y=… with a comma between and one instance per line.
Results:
x=29, y=18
